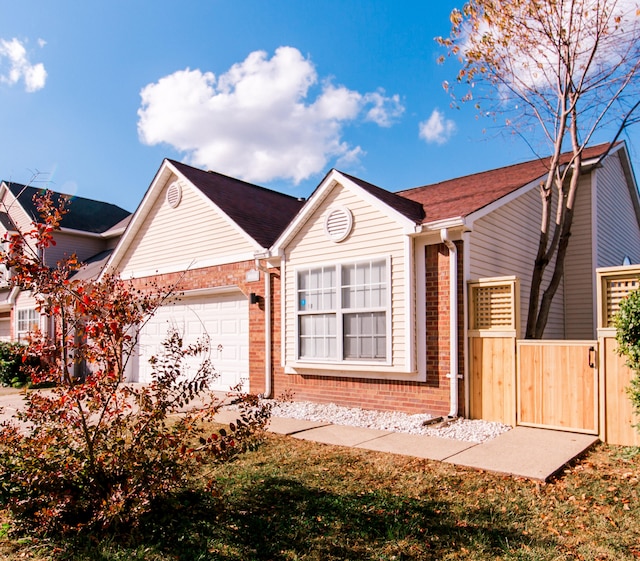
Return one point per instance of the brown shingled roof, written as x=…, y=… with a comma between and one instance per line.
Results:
x=465, y=195
x=260, y=212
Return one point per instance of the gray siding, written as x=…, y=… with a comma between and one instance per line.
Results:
x=617, y=233
x=504, y=243
x=579, y=270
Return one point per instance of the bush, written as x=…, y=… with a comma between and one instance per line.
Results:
x=11, y=373
x=94, y=453
x=628, y=337
x=99, y=454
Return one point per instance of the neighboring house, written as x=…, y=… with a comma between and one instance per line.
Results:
x=359, y=296
x=89, y=229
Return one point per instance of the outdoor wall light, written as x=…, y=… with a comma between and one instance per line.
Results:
x=254, y=298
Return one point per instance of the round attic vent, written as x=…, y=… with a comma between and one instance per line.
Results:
x=174, y=194
x=338, y=223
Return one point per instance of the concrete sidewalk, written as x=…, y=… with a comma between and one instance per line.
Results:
x=522, y=452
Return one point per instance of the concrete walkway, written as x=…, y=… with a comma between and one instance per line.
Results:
x=522, y=452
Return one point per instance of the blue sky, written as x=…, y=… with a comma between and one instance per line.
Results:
x=93, y=95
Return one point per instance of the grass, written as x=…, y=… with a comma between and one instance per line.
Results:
x=296, y=500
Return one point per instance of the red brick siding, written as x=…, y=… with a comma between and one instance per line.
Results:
x=431, y=396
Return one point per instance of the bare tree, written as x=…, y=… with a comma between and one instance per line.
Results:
x=562, y=70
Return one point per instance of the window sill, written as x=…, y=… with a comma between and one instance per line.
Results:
x=350, y=370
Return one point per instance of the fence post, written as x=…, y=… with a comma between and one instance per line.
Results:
x=492, y=330
x=616, y=410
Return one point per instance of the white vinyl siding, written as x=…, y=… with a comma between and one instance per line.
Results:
x=374, y=234
x=504, y=243
x=617, y=232
x=183, y=237
x=579, y=270
x=20, y=218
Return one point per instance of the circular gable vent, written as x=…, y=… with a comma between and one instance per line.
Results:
x=338, y=223
x=174, y=194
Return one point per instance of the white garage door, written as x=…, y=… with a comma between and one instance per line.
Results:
x=223, y=317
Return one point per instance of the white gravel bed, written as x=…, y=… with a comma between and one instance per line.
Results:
x=466, y=430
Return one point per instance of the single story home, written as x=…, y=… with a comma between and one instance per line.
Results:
x=90, y=229
x=360, y=296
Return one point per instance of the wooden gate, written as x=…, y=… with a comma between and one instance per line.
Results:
x=577, y=386
x=557, y=385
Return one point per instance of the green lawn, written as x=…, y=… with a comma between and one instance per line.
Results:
x=295, y=500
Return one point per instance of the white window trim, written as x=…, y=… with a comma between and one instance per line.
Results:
x=22, y=332
x=350, y=363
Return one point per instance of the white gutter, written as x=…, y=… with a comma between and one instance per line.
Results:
x=453, y=322
x=268, y=378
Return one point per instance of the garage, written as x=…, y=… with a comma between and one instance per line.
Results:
x=223, y=317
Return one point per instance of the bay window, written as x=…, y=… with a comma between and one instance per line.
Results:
x=343, y=311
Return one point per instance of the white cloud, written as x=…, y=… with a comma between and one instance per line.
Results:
x=437, y=129
x=259, y=120
x=33, y=75
x=535, y=62
x=385, y=110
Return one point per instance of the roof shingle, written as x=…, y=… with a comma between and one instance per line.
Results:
x=86, y=215
x=260, y=212
x=464, y=195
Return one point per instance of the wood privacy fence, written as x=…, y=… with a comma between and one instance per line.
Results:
x=577, y=386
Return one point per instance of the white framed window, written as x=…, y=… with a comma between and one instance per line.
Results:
x=344, y=311
x=28, y=319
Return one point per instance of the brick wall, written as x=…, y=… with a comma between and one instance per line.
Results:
x=431, y=396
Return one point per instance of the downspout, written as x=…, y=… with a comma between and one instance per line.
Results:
x=453, y=322
x=268, y=379
x=466, y=243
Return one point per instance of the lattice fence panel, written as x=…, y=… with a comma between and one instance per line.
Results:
x=493, y=307
x=616, y=290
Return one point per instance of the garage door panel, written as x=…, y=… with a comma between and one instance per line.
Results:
x=223, y=318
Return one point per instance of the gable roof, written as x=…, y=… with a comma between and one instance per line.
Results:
x=413, y=210
x=260, y=212
x=464, y=195
x=86, y=215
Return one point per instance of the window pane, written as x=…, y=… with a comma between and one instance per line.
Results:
x=28, y=320
x=365, y=336
x=377, y=271
x=303, y=280
x=317, y=336
x=378, y=296
x=316, y=289
x=314, y=278
x=364, y=292
x=348, y=275
x=329, y=277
